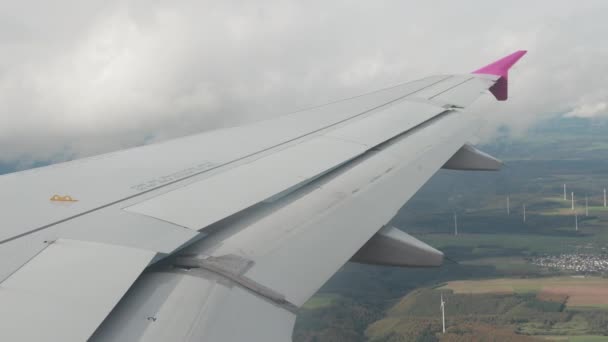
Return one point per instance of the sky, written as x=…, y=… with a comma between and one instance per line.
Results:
x=79, y=78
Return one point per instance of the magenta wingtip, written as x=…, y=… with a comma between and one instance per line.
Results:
x=501, y=67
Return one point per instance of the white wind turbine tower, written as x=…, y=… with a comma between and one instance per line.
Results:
x=572, y=200
x=524, y=212
x=565, y=197
x=576, y=221
x=442, y=313
x=455, y=225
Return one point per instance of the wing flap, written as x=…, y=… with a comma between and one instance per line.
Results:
x=194, y=305
x=67, y=290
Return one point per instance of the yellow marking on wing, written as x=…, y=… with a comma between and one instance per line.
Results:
x=57, y=198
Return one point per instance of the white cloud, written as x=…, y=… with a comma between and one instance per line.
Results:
x=79, y=78
x=587, y=110
x=592, y=104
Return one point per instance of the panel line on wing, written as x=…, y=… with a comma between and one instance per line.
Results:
x=16, y=269
x=450, y=88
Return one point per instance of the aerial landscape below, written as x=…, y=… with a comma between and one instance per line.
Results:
x=506, y=279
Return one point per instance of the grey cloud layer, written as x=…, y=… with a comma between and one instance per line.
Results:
x=79, y=78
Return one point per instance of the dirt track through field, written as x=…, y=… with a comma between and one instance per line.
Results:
x=589, y=291
x=582, y=295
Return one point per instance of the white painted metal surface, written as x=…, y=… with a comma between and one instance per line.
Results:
x=100, y=186
x=194, y=306
x=466, y=93
x=296, y=243
x=343, y=214
x=200, y=204
x=298, y=247
x=66, y=291
x=386, y=124
x=291, y=244
x=438, y=89
x=121, y=228
x=203, y=203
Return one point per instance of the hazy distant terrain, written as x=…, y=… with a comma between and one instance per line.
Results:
x=389, y=304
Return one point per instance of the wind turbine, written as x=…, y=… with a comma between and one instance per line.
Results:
x=442, y=313
x=572, y=200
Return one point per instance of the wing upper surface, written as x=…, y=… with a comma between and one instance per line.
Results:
x=336, y=216
x=241, y=187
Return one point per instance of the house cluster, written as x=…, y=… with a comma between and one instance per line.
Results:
x=587, y=263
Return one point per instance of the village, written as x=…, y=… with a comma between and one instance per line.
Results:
x=583, y=263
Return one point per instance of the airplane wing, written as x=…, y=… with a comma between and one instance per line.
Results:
x=222, y=236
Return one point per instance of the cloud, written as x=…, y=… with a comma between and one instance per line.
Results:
x=80, y=78
x=586, y=110
x=593, y=104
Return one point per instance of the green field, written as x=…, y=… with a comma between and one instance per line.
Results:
x=507, y=265
x=577, y=325
x=371, y=303
x=588, y=293
x=588, y=338
x=322, y=300
x=580, y=338
x=516, y=316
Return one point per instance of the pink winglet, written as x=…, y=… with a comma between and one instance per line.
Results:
x=501, y=68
